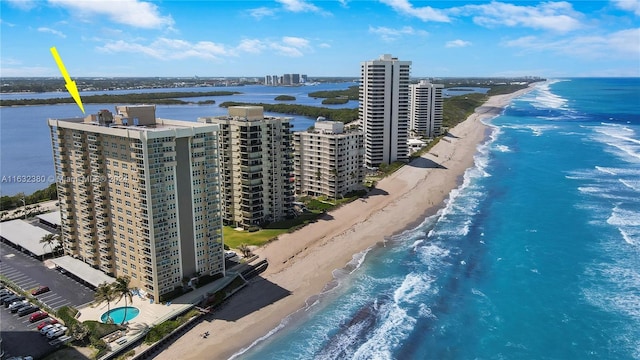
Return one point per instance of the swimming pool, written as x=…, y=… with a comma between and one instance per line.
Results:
x=118, y=314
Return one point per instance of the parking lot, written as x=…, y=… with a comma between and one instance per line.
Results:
x=20, y=337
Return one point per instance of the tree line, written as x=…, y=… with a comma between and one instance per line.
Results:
x=169, y=98
x=15, y=201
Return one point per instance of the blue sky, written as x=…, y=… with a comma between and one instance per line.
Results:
x=319, y=38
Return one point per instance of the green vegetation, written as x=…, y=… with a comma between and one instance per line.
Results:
x=335, y=101
x=352, y=93
x=15, y=201
x=458, y=108
x=137, y=98
x=505, y=89
x=159, y=331
x=342, y=115
x=285, y=98
x=234, y=238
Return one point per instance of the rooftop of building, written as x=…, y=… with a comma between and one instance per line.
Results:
x=140, y=118
x=246, y=113
x=27, y=236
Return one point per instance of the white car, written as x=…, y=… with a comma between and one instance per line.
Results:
x=16, y=304
x=50, y=327
x=56, y=333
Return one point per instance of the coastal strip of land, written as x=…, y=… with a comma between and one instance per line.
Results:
x=301, y=264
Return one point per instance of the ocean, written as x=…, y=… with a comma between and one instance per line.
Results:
x=535, y=256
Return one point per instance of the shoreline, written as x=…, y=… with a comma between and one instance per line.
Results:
x=294, y=279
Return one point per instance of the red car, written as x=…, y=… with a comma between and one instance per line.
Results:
x=40, y=290
x=45, y=323
x=38, y=315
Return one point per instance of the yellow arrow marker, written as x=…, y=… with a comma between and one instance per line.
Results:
x=70, y=85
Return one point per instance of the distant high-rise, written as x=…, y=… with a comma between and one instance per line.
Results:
x=328, y=160
x=426, y=109
x=384, y=110
x=257, y=166
x=140, y=196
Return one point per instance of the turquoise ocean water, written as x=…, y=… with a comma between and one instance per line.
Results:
x=535, y=256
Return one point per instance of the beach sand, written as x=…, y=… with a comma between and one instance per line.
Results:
x=301, y=264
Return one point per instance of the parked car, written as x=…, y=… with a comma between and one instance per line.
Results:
x=11, y=299
x=48, y=328
x=45, y=323
x=56, y=333
x=28, y=310
x=5, y=294
x=38, y=315
x=40, y=290
x=18, y=304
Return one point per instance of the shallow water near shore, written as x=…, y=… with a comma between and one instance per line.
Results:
x=535, y=255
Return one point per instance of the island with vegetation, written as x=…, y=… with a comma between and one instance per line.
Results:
x=285, y=98
x=169, y=98
x=352, y=93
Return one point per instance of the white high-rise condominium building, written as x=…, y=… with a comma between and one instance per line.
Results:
x=257, y=166
x=426, y=109
x=328, y=160
x=384, y=110
x=140, y=196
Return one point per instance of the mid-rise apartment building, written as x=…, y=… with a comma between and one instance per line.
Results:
x=328, y=160
x=426, y=109
x=140, y=196
x=384, y=110
x=257, y=166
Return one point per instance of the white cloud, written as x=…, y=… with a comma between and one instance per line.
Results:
x=23, y=4
x=628, y=5
x=169, y=49
x=128, y=12
x=426, y=13
x=252, y=46
x=295, y=42
x=51, y=31
x=290, y=46
x=298, y=6
x=7, y=23
x=620, y=44
x=177, y=49
x=28, y=71
x=457, y=43
x=554, y=16
x=389, y=34
x=324, y=45
x=261, y=12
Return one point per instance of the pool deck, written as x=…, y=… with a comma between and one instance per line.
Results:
x=152, y=313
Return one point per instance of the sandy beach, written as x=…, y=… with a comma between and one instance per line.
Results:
x=301, y=264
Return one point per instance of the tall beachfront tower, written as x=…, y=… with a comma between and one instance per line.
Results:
x=328, y=160
x=257, y=166
x=140, y=196
x=384, y=110
x=426, y=108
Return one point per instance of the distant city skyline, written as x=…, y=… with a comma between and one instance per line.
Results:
x=320, y=38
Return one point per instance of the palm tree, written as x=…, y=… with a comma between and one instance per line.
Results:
x=48, y=240
x=121, y=290
x=105, y=292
